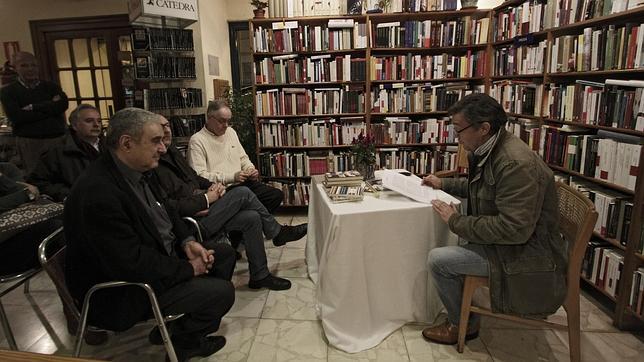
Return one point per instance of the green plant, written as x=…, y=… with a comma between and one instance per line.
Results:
x=259, y=4
x=383, y=4
x=241, y=105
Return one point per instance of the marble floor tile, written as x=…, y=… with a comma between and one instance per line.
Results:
x=422, y=351
x=524, y=345
x=284, y=219
x=601, y=346
x=288, y=340
x=292, y=264
x=297, y=303
x=391, y=349
x=249, y=303
x=239, y=333
x=300, y=219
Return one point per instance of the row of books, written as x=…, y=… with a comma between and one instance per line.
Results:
x=419, y=162
x=518, y=97
x=606, y=48
x=573, y=11
x=636, y=299
x=169, y=98
x=289, y=164
x=426, y=67
x=295, y=8
x=160, y=67
x=316, y=68
x=518, y=20
x=289, y=36
x=296, y=193
x=414, y=6
x=398, y=98
x=186, y=126
x=401, y=130
x=300, y=101
x=305, y=132
x=614, y=209
x=602, y=266
x=615, y=103
x=162, y=39
x=430, y=33
x=513, y=60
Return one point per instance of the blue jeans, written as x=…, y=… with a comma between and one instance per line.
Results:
x=447, y=266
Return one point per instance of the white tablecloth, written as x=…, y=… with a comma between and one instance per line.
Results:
x=369, y=262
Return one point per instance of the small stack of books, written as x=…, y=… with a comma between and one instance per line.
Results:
x=344, y=186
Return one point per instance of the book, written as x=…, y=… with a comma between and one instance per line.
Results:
x=411, y=186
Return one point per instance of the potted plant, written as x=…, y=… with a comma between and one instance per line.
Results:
x=469, y=4
x=363, y=149
x=259, y=5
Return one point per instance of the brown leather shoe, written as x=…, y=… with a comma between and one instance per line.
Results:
x=447, y=333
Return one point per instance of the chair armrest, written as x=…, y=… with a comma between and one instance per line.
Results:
x=196, y=226
x=446, y=173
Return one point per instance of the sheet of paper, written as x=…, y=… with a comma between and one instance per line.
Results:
x=411, y=186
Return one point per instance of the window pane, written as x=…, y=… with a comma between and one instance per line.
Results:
x=62, y=53
x=125, y=43
x=103, y=85
x=85, y=83
x=80, y=52
x=107, y=108
x=99, y=52
x=67, y=83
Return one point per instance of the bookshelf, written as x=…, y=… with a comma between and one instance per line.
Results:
x=582, y=118
x=162, y=71
x=321, y=80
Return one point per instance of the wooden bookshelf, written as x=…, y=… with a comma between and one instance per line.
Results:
x=602, y=291
x=623, y=316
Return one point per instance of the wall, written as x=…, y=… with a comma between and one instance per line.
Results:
x=213, y=24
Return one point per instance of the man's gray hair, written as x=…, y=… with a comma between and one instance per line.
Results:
x=214, y=106
x=128, y=121
x=74, y=117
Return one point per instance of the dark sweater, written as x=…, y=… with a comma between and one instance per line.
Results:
x=46, y=120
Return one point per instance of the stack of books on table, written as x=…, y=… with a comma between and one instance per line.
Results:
x=344, y=186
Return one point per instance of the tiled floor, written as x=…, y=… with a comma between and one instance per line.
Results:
x=282, y=326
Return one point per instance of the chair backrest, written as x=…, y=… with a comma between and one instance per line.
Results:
x=54, y=265
x=577, y=218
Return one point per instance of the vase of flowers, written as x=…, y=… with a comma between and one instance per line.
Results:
x=363, y=149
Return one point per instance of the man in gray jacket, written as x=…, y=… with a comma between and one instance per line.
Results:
x=511, y=225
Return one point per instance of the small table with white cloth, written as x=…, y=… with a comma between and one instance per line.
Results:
x=368, y=260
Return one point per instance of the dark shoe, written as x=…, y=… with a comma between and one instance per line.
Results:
x=207, y=346
x=270, y=282
x=447, y=333
x=93, y=338
x=290, y=233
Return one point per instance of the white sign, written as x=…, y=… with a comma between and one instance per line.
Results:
x=181, y=9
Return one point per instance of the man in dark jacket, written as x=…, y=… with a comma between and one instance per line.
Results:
x=36, y=110
x=511, y=225
x=59, y=167
x=235, y=210
x=116, y=229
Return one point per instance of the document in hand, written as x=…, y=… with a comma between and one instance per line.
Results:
x=411, y=186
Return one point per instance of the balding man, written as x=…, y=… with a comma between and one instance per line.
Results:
x=116, y=229
x=36, y=109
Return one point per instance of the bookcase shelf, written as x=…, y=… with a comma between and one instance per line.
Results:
x=550, y=84
x=426, y=50
x=393, y=145
x=394, y=114
x=309, y=84
x=329, y=115
x=309, y=53
x=438, y=80
x=267, y=148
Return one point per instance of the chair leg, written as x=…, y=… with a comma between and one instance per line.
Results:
x=7, y=329
x=468, y=291
x=26, y=287
x=574, y=333
x=158, y=316
x=82, y=325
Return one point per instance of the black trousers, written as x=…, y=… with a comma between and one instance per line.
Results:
x=204, y=299
x=20, y=252
x=269, y=196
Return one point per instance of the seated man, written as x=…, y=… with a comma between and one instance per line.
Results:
x=237, y=210
x=217, y=155
x=117, y=230
x=60, y=166
x=511, y=223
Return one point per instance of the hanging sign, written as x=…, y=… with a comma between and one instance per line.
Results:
x=180, y=9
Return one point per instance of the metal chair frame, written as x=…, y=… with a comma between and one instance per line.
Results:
x=21, y=278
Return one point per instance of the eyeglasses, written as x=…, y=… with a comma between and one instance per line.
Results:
x=463, y=129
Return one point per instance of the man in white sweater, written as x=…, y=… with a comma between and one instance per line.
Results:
x=217, y=155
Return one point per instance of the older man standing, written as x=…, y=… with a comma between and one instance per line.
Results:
x=36, y=109
x=116, y=229
x=60, y=166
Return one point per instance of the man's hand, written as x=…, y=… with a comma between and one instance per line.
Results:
x=433, y=181
x=213, y=195
x=28, y=107
x=241, y=176
x=200, y=258
x=253, y=174
x=444, y=210
x=32, y=189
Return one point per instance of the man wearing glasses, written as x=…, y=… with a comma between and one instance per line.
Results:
x=511, y=226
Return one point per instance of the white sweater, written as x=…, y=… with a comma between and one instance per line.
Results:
x=217, y=158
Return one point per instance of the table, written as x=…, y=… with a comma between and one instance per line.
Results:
x=368, y=260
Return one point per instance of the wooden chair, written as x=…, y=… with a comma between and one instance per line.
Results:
x=577, y=218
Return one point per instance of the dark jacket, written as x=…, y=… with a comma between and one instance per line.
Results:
x=110, y=237
x=514, y=213
x=46, y=120
x=59, y=167
x=183, y=187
